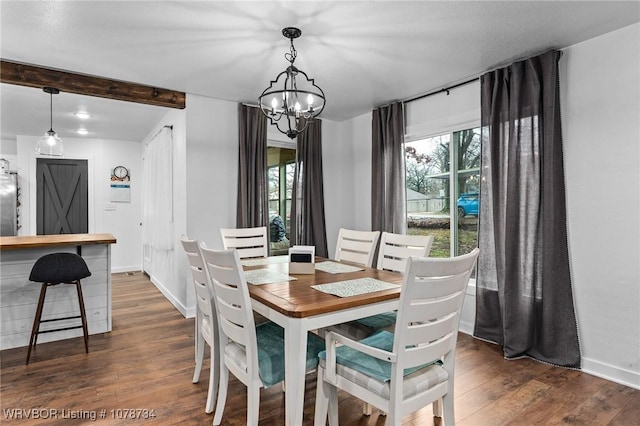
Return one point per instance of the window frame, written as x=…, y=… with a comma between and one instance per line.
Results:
x=282, y=179
x=453, y=170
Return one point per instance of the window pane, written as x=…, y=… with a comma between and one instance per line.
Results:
x=280, y=169
x=427, y=178
x=273, y=178
x=468, y=196
x=289, y=171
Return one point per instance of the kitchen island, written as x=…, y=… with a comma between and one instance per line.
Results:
x=19, y=296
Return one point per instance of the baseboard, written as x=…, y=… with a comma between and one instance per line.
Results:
x=191, y=312
x=611, y=372
x=170, y=297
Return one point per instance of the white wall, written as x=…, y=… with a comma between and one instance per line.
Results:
x=101, y=155
x=338, y=153
x=346, y=151
x=124, y=221
x=601, y=130
x=8, y=148
x=205, y=150
x=212, y=168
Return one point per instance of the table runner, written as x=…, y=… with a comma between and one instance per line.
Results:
x=336, y=268
x=354, y=287
x=265, y=276
x=265, y=260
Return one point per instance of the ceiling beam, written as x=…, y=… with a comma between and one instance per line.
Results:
x=82, y=84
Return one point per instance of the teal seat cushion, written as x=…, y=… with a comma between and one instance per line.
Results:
x=368, y=365
x=270, y=338
x=380, y=321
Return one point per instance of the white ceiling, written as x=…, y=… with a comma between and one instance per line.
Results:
x=362, y=53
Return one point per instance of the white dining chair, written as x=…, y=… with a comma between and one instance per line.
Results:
x=404, y=371
x=254, y=355
x=356, y=246
x=249, y=242
x=206, y=323
x=393, y=253
x=395, y=249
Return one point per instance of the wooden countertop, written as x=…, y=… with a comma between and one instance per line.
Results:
x=34, y=241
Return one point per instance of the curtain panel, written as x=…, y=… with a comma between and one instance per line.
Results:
x=388, y=189
x=157, y=180
x=252, y=207
x=158, y=238
x=524, y=299
x=307, y=210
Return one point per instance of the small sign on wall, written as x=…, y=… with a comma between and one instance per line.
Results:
x=120, y=185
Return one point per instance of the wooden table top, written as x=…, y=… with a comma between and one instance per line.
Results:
x=297, y=299
x=35, y=241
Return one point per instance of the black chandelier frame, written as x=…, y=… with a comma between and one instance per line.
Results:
x=283, y=106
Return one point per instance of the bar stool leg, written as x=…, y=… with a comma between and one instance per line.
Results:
x=36, y=321
x=83, y=315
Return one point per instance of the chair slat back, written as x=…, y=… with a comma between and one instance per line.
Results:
x=232, y=300
x=412, y=357
x=356, y=246
x=203, y=290
x=395, y=249
x=430, y=303
x=431, y=331
x=249, y=242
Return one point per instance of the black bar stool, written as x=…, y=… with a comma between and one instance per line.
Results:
x=53, y=269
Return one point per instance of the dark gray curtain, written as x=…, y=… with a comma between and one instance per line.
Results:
x=524, y=299
x=252, y=208
x=307, y=210
x=388, y=189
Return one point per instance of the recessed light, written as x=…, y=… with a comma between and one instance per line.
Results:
x=82, y=114
x=82, y=132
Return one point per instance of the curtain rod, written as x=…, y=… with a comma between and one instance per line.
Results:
x=471, y=80
x=166, y=126
x=446, y=89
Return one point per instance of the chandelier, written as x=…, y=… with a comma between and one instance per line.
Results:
x=50, y=143
x=293, y=99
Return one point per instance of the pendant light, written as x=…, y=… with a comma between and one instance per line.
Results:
x=293, y=101
x=50, y=144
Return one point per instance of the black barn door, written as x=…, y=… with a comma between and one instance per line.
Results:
x=62, y=196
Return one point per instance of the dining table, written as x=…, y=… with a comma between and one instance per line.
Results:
x=337, y=292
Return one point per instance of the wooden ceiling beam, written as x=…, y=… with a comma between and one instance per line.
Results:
x=82, y=84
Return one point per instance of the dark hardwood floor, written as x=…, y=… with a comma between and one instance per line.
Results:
x=147, y=361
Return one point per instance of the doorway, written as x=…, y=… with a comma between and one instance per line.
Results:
x=62, y=196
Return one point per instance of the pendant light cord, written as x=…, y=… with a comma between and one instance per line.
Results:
x=51, y=111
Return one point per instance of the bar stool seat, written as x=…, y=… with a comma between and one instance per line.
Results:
x=53, y=269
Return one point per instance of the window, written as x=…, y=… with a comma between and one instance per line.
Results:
x=280, y=168
x=434, y=186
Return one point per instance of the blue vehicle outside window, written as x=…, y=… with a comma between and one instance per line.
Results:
x=468, y=204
